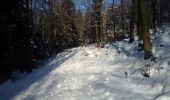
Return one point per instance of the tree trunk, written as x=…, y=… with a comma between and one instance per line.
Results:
x=51, y=40
x=154, y=16
x=132, y=21
x=145, y=29
x=122, y=5
x=138, y=20
x=114, y=22
x=99, y=22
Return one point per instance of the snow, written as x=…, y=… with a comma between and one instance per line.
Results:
x=90, y=73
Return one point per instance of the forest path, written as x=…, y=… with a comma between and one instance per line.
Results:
x=90, y=73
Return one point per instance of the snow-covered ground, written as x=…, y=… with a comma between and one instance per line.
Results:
x=115, y=72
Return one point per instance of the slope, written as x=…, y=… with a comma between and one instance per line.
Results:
x=115, y=72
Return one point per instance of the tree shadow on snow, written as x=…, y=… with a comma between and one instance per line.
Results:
x=9, y=90
x=131, y=52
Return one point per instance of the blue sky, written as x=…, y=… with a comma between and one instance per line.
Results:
x=80, y=5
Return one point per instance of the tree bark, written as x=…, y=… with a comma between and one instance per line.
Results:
x=122, y=5
x=132, y=21
x=99, y=22
x=145, y=29
x=154, y=16
x=114, y=22
x=138, y=21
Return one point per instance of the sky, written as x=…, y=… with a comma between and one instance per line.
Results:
x=80, y=4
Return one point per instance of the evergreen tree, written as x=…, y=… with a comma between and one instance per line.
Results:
x=17, y=53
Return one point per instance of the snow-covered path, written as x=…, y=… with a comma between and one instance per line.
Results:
x=89, y=73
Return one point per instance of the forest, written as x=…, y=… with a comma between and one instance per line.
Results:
x=35, y=31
